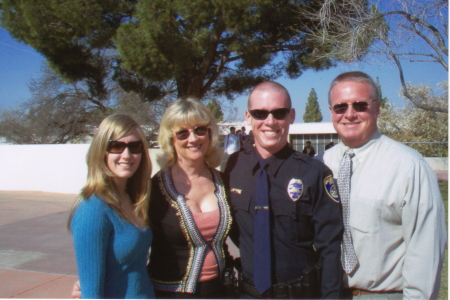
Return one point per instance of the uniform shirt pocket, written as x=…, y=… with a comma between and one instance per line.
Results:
x=293, y=221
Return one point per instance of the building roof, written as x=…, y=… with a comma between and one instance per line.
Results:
x=312, y=128
x=296, y=128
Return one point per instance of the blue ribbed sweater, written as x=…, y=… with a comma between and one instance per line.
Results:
x=111, y=253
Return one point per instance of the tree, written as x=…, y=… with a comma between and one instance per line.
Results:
x=424, y=130
x=205, y=47
x=312, y=110
x=383, y=100
x=414, y=30
x=216, y=110
x=57, y=113
x=60, y=112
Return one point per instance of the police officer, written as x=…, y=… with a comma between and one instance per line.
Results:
x=304, y=218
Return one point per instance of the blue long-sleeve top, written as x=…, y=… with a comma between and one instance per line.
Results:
x=111, y=253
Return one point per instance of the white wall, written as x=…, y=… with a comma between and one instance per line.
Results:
x=62, y=168
x=47, y=168
x=438, y=163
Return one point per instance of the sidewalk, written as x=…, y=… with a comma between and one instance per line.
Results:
x=36, y=250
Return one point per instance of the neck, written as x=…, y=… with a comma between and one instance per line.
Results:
x=121, y=185
x=266, y=153
x=191, y=168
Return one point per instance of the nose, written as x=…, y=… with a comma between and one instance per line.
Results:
x=269, y=120
x=192, y=137
x=350, y=113
x=126, y=153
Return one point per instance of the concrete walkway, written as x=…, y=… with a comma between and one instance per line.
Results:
x=36, y=249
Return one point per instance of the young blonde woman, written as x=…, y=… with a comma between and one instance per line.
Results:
x=190, y=214
x=109, y=221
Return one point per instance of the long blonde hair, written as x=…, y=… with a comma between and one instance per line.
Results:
x=100, y=180
x=185, y=112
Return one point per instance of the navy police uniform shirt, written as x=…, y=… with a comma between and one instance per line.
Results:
x=306, y=221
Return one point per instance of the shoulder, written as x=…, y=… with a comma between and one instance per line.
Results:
x=395, y=147
x=91, y=213
x=93, y=204
x=310, y=162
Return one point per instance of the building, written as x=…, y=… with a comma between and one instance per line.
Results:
x=320, y=134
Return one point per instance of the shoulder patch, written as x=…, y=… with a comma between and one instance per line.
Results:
x=331, y=188
x=295, y=189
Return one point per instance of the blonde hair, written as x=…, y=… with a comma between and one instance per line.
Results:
x=187, y=112
x=100, y=180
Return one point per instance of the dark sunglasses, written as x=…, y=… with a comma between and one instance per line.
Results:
x=357, y=106
x=262, y=114
x=184, y=134
x=117, y=147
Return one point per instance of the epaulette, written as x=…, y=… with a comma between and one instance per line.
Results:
x=300, y=156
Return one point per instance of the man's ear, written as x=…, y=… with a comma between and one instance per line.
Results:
x=248, y=118
x=292, y=115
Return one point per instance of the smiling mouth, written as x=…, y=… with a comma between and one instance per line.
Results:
x=125, y=165
x=194, y=148
x=351, y=124
x=270, y=132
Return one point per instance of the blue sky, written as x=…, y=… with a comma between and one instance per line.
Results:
x=19, y=63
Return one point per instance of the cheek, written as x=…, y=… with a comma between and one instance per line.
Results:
x=108, y=161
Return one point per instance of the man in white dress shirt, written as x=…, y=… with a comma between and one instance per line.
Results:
x=397, y=219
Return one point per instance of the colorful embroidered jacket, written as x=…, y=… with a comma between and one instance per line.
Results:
x=178, y=249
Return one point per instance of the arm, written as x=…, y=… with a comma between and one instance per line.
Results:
x=328, y=227
x=90, y=230
x=423, y=223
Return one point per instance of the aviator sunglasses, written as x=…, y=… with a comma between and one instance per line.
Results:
x=117, y=147
x=358, y=106
x=262, y=114
x=183, y=134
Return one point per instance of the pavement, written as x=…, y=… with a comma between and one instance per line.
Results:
x=36, y=248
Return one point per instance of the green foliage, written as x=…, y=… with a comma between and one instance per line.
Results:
x=216, y=110
x=383, y=100
x=211, y=48
x=312, y=110
x=426, y=131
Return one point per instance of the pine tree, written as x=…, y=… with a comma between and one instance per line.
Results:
x=312, y=110
x=383, y=101
x=200, y=48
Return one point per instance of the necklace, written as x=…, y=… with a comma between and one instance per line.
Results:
x=189, y=180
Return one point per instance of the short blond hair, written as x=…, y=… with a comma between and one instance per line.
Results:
x=100, y=180
x=187, y=112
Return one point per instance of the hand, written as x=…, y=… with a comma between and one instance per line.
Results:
x=76, y=291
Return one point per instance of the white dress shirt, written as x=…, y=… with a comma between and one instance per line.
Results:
x=397, y=218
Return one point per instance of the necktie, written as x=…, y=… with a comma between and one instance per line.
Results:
x=261, y=235
x=348, y=255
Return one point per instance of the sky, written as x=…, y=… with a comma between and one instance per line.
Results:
x=20, y=63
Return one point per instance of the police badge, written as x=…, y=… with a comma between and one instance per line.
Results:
x=331, y=188
x=295, y=189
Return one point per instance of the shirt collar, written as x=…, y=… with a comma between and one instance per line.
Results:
x=361, y=151
x=274, y=162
